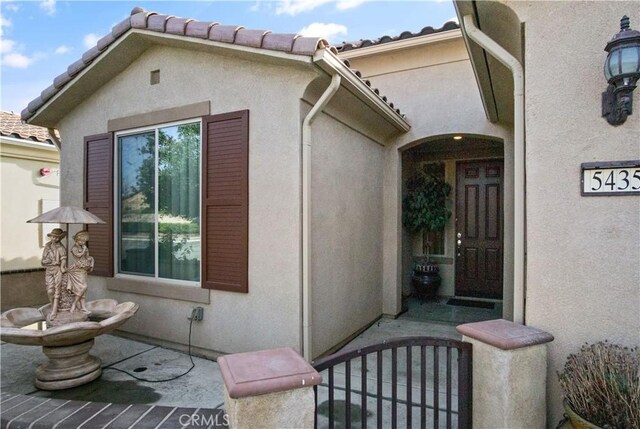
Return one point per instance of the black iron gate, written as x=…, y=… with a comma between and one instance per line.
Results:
x=404, y=382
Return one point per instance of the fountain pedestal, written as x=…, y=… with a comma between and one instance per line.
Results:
x=66, y=345
x=68, y=366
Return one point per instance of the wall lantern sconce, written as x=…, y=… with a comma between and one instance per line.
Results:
x=622, y=70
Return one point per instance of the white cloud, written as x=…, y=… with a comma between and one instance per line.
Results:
x=49, y=6
x=13, y=7
x=17, y=60
x=4, y=22
x=328, y=31
x=90, y=40
x=348, y=4
x=6, y=45
x=62, y=49
x=294, y=7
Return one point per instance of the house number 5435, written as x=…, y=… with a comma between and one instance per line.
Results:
x=611, y=178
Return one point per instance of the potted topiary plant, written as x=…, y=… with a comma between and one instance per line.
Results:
x=424, y=210
x=601, y=384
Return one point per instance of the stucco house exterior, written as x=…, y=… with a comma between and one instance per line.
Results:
x=30, y=176
x=292, y=234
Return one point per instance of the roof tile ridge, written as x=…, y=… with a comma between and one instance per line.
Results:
x=153, y=21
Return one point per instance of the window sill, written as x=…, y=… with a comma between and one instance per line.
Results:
x=159, y=289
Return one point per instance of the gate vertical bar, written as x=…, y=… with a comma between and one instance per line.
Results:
x=423, y=387
x=465, y=383
x=448, y=387
x=436, y=385
x=409, y=388
x=331, y=415
x=363, y=388
x=379, y=390
x=394, y=388
x=347, y=394
x=315, y=401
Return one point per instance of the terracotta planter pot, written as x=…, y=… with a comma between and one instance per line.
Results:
x=577, y=422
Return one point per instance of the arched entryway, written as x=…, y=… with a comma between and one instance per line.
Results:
x=473, y=251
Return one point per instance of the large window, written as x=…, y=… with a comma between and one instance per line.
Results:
x=159, y=202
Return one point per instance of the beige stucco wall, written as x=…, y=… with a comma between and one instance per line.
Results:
x=23, y=189
x=346, y=231
x=434, y=86
x=268, y=316
x=583, y=253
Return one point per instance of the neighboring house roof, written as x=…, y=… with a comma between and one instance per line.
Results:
x=12, y=126
x=169, y=24
x=363, y=43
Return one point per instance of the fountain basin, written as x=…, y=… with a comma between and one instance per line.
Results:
x=67, y=346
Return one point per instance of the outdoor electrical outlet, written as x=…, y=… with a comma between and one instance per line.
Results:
x=197, y=314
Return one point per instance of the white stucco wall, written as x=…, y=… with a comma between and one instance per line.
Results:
x=268, y=316
x=346, y=231
x=23, y=189
x=434, y=86
x=583, y=253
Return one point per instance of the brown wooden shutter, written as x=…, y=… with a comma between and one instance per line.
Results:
x=225, y=201
x=98, y=199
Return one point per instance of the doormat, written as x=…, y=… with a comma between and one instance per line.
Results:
x=470, y=303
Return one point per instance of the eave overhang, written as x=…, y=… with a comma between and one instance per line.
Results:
x=331, y=64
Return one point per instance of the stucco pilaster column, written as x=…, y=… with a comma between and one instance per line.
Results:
x=509, y=374
x=269, y=389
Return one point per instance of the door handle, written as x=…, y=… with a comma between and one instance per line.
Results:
x=458, y=243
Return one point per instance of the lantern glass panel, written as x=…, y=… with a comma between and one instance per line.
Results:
x=612, y=65
x=630, y=60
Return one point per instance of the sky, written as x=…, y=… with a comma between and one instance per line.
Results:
x=39, y=39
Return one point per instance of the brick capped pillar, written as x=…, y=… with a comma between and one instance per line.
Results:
x=269, y=389
x=509, y=374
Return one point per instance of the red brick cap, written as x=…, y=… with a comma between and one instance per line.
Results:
x=504, y=334
x=266, y=371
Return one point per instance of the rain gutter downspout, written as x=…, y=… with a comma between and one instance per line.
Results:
x=306, y=204
x=514, y=65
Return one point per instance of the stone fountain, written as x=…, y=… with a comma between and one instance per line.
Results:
x=71, y=322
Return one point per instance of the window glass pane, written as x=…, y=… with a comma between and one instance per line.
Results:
x=179, y=202
x=435, y=239
x=137, y=203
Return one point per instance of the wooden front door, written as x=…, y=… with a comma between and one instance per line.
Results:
x=479, y=220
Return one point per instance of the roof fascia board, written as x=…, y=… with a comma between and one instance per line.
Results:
x=150, y=35
x=27, y=143
x=401, y=44
x=331, y=64
x=28, y=151
x=478, y=61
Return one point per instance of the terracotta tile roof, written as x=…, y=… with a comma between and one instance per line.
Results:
x=233, y=34
x=363, y=43
x=12, y=126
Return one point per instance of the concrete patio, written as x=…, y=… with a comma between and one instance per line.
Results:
x=202, y=387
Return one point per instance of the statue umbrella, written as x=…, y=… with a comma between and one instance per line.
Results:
x=67, y=215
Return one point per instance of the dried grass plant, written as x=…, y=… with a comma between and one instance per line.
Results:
x=602, y=384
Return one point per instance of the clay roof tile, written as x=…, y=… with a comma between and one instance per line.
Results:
x=12, y=126
x=199, y=29
x=348, y=46
x=251, y=38
x=177, y=25
x=158, y=22
x=152, y=21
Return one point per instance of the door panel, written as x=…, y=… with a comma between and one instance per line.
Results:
x=479, y=226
